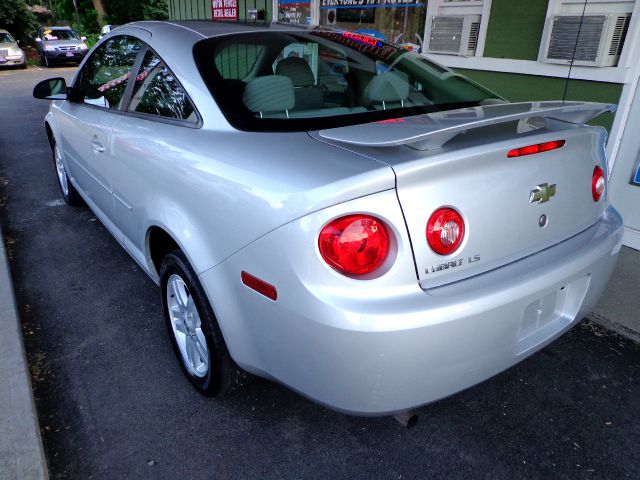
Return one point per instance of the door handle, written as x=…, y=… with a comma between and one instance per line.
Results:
x=97, y=146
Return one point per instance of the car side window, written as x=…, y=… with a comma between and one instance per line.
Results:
x=158, y=92
x=104, y=76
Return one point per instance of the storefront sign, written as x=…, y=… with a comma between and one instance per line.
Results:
x=324, y=4
x=294, y=11
x=224, y=9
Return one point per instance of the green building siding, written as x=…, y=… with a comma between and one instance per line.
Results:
x=521, y=88
x=513, y=31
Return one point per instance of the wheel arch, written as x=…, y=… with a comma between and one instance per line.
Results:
x=160, y=241
x=49, y=131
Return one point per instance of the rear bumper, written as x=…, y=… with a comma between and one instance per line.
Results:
x=379, y=354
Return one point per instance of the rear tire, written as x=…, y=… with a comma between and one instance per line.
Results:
x=194, y=331
x=69, y=194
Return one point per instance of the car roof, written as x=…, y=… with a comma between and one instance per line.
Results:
x=212, y=28
x=57, y=28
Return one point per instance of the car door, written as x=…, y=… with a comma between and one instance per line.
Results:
x=85, y=124
x=159, y=111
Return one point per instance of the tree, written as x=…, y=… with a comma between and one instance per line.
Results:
x=100, y=12
x=17, y=18
x=124, y=11
x=95, y=13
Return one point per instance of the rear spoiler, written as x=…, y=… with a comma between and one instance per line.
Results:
x=433, y=130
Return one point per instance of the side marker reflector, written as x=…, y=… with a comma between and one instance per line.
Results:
x=259, y=286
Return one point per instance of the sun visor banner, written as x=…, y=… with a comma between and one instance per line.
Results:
x=224, y=9
x=325, y=4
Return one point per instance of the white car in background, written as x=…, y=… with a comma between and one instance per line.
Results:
x=11, y=55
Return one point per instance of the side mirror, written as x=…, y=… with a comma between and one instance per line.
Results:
x=83, y=38
x=51, y=89
x=38, y=39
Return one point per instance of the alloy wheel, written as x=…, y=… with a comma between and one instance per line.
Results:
x=61, y=171
x=187, y=327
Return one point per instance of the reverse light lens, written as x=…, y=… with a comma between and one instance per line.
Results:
x=355, y=244
x=537, y=148
x=597, y=184
x=445, y=231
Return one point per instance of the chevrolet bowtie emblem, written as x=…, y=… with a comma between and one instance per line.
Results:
x=542, y=193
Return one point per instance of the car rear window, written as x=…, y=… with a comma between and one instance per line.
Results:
x=314, y=79
x=60, y=34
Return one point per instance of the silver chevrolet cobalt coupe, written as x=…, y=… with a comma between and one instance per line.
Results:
x=333, y=212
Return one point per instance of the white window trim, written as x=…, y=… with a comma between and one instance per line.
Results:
x=533, y=67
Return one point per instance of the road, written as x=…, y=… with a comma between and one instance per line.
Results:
x=113, y=403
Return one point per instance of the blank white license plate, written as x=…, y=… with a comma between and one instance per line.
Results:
x=69, y=54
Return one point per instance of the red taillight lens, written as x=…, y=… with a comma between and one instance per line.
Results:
x=355, y=244
x=537, y=148
x=597, y=184
x=445, y=231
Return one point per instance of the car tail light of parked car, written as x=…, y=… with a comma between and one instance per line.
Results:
x=445, y=231
x=355, y=244
x=597, y=183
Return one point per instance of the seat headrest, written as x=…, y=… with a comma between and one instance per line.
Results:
x=387, y=87
x=272, y=93
x=298, y=70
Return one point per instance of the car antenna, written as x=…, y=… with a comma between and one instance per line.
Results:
x=573, y=56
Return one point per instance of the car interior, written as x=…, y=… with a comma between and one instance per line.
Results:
x=291, y=77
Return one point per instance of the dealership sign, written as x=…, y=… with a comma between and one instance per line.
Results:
x=224, y=9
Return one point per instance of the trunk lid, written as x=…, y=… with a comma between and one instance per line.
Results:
x=459, y=159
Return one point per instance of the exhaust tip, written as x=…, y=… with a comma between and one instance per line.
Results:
x=408, y=419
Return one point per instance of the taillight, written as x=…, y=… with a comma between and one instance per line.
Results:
x=355, y=244
x=537, y=148
x=597, y=184
x=445, y=231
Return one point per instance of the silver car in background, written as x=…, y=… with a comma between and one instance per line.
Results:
x=376, y=245
x=11, y=55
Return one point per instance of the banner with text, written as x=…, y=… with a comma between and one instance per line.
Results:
x=224, y=9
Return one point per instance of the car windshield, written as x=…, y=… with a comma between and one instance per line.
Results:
x=308, y=80
x=66, y=34
x=6, y=38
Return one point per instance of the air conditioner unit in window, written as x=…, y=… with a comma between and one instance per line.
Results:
x=600, y=43
x=455, y=35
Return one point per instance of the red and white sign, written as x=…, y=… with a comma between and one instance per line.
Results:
x=224, y=9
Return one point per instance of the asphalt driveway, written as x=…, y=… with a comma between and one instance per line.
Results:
x=113, y=403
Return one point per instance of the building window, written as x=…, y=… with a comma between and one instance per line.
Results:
x=585, y=34
x=453, y=27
